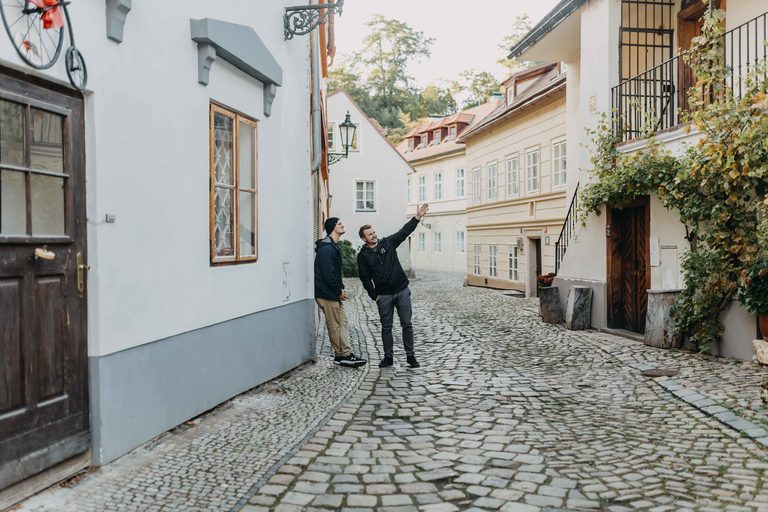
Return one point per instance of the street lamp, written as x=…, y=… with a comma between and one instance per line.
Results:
x=347, y=131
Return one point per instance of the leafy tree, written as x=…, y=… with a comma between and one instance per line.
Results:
x=520, y=27
x=396, y=135
x=388, y=49
x=477, y=84
x=436, y=98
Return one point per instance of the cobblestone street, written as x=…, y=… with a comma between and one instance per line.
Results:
x=506, y=413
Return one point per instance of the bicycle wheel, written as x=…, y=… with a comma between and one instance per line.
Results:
x=37, y=46
x=76, y=70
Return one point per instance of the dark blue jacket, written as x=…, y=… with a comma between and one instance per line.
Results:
x=328, y=283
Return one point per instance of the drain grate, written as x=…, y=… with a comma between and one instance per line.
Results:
x=660, y=372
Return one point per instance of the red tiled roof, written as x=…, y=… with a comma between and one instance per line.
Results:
x=548, y=83
x=470, y=116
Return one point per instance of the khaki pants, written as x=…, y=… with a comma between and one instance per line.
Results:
x=336, y=320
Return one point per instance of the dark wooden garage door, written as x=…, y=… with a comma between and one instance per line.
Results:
x=43, y=346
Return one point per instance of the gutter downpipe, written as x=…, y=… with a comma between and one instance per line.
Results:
x=317, y=126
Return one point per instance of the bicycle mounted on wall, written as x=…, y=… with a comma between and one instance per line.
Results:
x=35, y=28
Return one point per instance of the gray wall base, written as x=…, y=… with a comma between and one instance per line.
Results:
x=139, y=393
x=599, y=315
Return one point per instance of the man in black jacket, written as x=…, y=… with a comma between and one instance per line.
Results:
x=385, y=281
x=329, y=292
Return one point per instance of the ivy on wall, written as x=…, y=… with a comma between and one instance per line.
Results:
x=717, y=186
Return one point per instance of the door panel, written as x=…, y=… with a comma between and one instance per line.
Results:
x=632, y=261
x=11, y=360
x=43, y=345
x=49, y=337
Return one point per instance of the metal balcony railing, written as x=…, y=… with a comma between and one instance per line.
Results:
x=660, y=93
x=569, y=228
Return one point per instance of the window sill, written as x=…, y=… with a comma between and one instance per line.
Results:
x=226, y=263
x=365, y=211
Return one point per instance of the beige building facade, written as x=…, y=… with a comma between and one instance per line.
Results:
x=441, y=179
x=516, y=197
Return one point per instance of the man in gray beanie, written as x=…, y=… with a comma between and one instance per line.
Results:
x=330, y=294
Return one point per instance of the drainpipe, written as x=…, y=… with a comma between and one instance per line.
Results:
x=317, y=124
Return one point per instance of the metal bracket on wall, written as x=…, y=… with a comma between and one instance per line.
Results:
x=302, y=19
x=117, y=12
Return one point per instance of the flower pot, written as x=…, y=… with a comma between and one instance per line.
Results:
x=764, y=325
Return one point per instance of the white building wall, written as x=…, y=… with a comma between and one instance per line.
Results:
x=164, y=324
x=375, y=160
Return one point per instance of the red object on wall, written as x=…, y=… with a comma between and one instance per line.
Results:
x=52, y=18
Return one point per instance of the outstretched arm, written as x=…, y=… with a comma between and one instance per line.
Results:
x=365, y=276
x=399, y=237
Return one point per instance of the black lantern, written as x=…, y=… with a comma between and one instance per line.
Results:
x=347, y=131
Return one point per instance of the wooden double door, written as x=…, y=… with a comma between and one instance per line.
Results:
x=629, y=266
x=43, y=345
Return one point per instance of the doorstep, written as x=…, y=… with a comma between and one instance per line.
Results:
x=636, y=336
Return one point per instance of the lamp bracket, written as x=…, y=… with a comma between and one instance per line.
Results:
x=302, y=19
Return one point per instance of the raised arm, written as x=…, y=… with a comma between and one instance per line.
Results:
x=399, y=237
x=364, y=271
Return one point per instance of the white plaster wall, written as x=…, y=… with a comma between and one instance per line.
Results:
x=375, y=161
x=147, y=133
x=598, y=72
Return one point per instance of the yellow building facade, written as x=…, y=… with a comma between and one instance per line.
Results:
x=516, y=183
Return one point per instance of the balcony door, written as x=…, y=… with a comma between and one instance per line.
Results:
x=690, y=21
x=43, y=346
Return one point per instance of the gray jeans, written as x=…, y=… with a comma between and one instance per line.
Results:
x=387, y=305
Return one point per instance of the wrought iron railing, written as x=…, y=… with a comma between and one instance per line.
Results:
x=569, y=228
x=659, y=95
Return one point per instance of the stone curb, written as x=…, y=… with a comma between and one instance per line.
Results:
x=243, y=501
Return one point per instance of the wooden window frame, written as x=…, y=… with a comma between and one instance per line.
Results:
x=561, y=174
x=492, y=185
x=516, y=182
x=493, y=256
x=237, y=118
x=476, y=186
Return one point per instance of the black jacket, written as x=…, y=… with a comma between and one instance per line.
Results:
x=328, y=283
x=382, y=266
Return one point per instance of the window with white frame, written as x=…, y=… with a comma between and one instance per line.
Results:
x=460, y=242
x=408, y=192
x=437, y=136
x=451, y=133
x=422, y=242
x=513, y=262
x=422, y=189
x=476, y=186
x=438, y=185
x=331, y=128
x=423, y=142
x=410, y=144
x=476, y=260
x=532, y=170
x=558, y=163
x=493, y=251
x=512, y=177
x=365, y=196
x=459, y=182
x=438, y=246
x=510, y=94
x=491, y=181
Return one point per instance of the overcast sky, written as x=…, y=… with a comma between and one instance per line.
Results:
x=466, y=32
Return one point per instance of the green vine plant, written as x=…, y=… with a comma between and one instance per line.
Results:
x=716, y=186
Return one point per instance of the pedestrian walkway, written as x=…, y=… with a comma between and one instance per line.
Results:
x=506, y=413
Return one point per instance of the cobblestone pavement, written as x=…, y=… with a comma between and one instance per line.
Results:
x=506, y=413
x=511, y=414
x=212, y=462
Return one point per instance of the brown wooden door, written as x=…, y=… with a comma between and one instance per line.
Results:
x=633, y=252
x=43, y=346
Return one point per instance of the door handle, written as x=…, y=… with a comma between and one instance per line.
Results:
x=80, y=272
